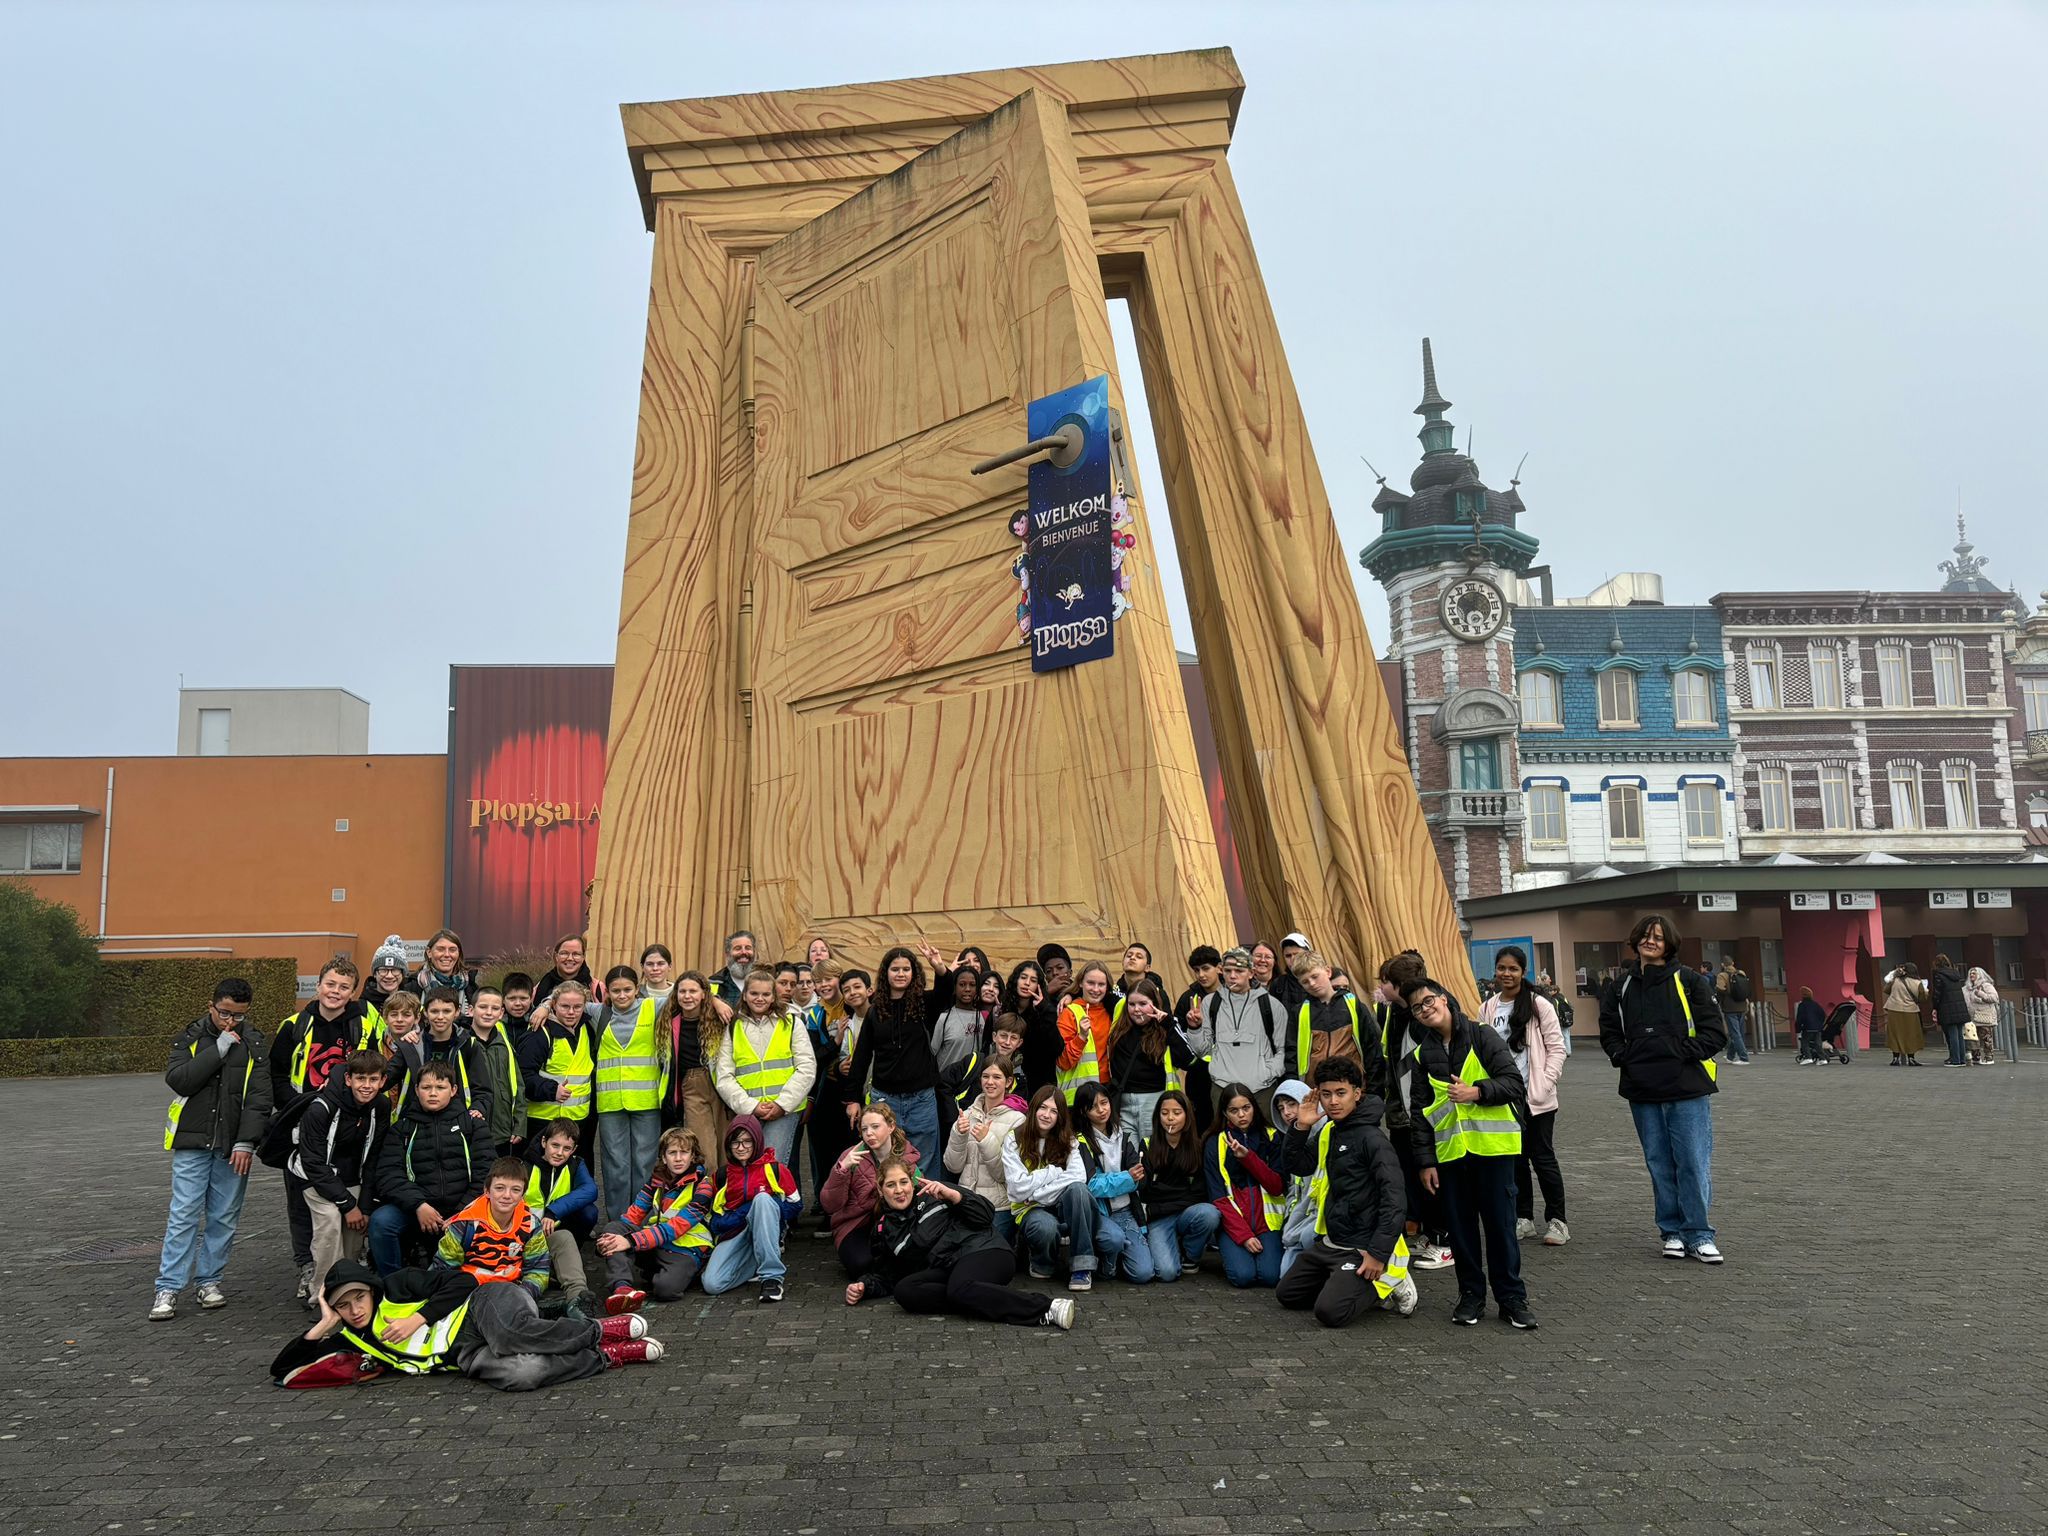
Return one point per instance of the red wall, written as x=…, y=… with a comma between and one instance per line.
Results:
x=525, y=779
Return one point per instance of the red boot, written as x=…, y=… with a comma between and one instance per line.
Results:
x=624, y=1299
x=618, y=1330
x=632, y=1352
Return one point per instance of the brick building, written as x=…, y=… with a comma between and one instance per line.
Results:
x=1449, y=553
x=1872, y=722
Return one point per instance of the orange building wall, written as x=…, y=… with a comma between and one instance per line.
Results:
x=211, y=852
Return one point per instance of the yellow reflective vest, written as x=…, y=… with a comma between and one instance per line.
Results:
x=763, y=1075
x=632, y=1076
x=426, y=1350
x=1483, y=1130
x=568, y=1062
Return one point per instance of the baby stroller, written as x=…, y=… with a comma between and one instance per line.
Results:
x=1826, y=1043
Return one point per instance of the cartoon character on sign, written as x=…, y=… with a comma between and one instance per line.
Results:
x=1123, y=538
x=1069, y=594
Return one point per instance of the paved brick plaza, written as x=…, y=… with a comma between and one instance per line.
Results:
x=1870, y=1360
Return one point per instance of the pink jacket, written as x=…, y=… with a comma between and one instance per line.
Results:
x=1546, y=1049
x=851, y=1192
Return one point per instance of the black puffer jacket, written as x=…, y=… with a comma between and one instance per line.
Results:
x=1367, y=1203
x=1644, y=1031
x=1945, y=992
x=932, y=1233
x=224, y=1096
x=434, y=1159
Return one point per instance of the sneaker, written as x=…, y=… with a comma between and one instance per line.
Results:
x=1468, y=1312
x=1431, y=1256
x=1674, y=1247
x=632, y=1352
x=1059, y=1313
x=624, y=1298
x=1040, y=1274
x=1403, y=1297
x=1081, y=1280
x=1806, y=1061
x=617, y=1330
x=1525, y=1227
x=211, y=1296
x=771, y=1291
x=1557, y=1234
x=581, y=1306
x=1191, y=1266
x=1516, y=1314
x=1706, y=1253
x=304, y=1294
x=164, y=1307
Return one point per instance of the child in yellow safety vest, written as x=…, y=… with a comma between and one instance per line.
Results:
x=631, y=1069
x=424, y=1322
x=1463, y=1093
x=1356, y=1256
x=562, y=1195
x=663, y=1229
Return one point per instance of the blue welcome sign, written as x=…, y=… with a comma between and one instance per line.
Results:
x=1071, y=565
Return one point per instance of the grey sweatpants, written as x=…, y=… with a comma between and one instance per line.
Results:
x=506, y=1342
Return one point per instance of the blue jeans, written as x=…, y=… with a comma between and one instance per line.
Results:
x=388, y=1226
x=202, y=1186
x=1123, y=1246
x=1954, y=1032
x=1136, y=1113
x=1180, y=1239
x=1738, y=1042
x=1075, y=1211
x=1678, y=1147
x=625, y=1145
x=755, y=1254
x=917, y=1117
x=1242, y=1267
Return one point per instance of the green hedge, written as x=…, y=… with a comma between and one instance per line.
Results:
x=140, y=1008
x=85, y=1058
x=154, y=999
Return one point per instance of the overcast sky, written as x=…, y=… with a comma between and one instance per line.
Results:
x=321, y=325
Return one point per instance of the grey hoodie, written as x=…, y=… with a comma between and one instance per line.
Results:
x=1233, y=1034
x=1299, y=1229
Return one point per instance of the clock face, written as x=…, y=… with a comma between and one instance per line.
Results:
x=1473, y=608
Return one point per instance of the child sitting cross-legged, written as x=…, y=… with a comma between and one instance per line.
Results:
x=757, y=1199
x=663, y=1229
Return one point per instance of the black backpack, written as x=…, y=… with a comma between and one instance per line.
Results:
x=282, y=1139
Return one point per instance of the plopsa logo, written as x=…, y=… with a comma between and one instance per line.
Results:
x=533, y=814
x=1065, y=637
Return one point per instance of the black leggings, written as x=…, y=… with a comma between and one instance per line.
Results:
x=857, y=1253
x=978, y=1285
x=1539, y=1152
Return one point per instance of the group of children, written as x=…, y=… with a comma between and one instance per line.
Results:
x=1057, y=1118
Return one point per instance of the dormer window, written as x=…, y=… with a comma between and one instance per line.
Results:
x=1471, y=504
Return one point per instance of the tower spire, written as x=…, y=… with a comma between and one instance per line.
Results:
x=1437, y=435
x=1433, y=403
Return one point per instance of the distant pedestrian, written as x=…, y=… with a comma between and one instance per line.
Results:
x=215, y=1124
x=1732, y=992
x=1951, y=1008
x=1659, y=1024
x=1808, y=1020
x=1904, y=1033
x=1982, y=994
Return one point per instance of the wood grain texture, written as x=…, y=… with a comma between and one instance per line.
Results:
x=911, y=775
x=843, y=502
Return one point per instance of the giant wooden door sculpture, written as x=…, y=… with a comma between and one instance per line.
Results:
x=909, y=772
x=822, y=722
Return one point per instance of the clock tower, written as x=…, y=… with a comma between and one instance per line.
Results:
x=1450, y=556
